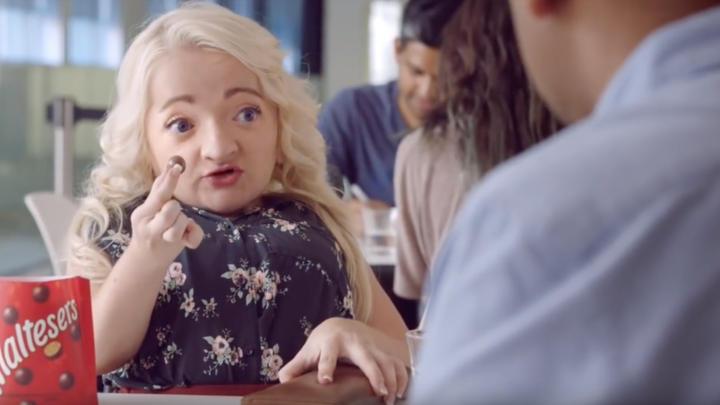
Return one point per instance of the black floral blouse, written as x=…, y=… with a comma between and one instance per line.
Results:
x=242, y=304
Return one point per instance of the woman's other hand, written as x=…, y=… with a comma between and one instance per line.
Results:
x=343, y=340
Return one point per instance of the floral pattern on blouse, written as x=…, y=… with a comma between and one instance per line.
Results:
x=241, y=305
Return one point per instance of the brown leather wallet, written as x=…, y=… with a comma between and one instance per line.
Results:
x=350, y=387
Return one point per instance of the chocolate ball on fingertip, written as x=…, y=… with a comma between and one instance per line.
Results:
x=177, y=160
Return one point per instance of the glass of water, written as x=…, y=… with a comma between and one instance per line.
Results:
x=414, y=339
x=379, y=231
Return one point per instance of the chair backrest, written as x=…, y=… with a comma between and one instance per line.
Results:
x=53, y=215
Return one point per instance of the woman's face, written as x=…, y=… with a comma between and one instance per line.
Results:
x=207, y=107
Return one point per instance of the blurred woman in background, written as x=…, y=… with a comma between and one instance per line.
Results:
x=487, y=113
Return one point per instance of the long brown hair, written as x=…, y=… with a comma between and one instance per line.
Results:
x=485, y=99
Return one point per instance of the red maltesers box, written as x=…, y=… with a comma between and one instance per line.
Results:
x=47, y=354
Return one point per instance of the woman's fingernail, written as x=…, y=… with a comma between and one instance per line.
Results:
x=390, y=401
x=177, y=169
x=326, y=378
x=383, y=390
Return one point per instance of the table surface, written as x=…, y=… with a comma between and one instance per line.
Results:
x=162, y=399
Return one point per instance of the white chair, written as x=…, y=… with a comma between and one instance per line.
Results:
x=53, y=215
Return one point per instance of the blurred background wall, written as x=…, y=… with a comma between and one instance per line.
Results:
x=52, y=48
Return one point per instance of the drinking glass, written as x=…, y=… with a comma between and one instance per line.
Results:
x=414, y=339
x=379, y=232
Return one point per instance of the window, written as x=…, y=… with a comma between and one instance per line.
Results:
x=157, y=7
x=385, y=21
x=243, y=7
x=284, y=18
x=95, y=33
x=31, y=31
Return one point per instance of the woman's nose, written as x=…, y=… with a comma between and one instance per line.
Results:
x=218, y=143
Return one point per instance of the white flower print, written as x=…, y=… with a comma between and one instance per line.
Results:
x=220, y=346
x=284, y=225
x=147, y=363
x=170, y=352
x=116, y=241
x=271, y=362
x=306, y=265
x=173, y=280
x=259, y=237
x=123, y=372
x=348, y=301
x=253, y=283
x=188, y=305
x=209, y=307
x=175, y=274
x=293, y=228
x=163, y=292
x=347, y=305
x=252, y=210
x=234, y=235
x=258, y=280
x=306, y=326
x=230, y=231
x=339, y=256
x=121, y=238
x=270, y=292
x=221, y=353
x=267, y=212
x=239, y=277
x=162, y=334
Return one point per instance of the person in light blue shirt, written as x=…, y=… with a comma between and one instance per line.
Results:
x=587, y=271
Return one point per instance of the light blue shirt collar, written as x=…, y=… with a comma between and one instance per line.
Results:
x=685, y=48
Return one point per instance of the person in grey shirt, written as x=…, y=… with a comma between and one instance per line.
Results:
x=587, y=270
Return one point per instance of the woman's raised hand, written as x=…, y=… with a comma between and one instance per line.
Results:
x=159, y=227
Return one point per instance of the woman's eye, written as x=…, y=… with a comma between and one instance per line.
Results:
x=249, y=114
x=179, y=126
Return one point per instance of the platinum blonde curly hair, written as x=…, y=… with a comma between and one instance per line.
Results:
x=124, y=174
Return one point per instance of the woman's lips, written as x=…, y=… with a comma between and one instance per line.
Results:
x=223, y=177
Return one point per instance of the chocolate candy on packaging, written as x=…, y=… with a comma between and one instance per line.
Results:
x=23, y=376
x=41, y=293
x=67, y=380
x=10, y=315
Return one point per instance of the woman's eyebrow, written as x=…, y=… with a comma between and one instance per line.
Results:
x=235, y=90
x=228, y=93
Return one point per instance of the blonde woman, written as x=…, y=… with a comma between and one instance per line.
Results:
x=236, y=265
